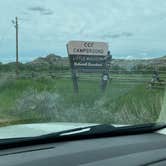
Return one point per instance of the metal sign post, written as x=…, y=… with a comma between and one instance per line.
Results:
x=88, y=56
x=105, y=74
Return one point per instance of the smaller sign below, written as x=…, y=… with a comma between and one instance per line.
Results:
x=87, y=48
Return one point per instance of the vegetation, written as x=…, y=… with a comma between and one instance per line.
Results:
x=44, y=93
x=54, y=63
x=53, y=100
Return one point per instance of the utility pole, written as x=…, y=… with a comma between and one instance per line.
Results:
x=17, y=60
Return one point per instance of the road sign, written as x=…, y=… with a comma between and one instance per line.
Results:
x=87, y=48
x=88, y=56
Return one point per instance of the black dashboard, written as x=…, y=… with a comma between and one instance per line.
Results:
x=143, y=149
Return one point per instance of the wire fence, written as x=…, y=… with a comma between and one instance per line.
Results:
x=123, y=77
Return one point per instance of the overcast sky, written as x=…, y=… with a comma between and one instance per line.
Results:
x=133, y=28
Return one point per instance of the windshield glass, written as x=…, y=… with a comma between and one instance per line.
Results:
x=79, y=62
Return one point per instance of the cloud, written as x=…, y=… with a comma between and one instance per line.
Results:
x=41, y=10
x=117, y=35
x=24, y=19
x=130, y=27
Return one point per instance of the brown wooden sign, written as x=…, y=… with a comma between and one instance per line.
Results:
x=88, y=56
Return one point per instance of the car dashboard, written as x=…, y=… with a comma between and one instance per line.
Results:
x=142, y=149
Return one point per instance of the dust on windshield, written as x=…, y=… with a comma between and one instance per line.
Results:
x=82, y=61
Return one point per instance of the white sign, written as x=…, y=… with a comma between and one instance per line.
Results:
x=87, y=48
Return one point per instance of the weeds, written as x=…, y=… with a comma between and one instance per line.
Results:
x=53, y=101
x=38, y=105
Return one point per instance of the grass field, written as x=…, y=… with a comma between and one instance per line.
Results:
x=126, y=100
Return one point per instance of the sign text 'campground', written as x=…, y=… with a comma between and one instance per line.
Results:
x=87, y=48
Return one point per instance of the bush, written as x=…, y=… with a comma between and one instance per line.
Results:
x=38, y=105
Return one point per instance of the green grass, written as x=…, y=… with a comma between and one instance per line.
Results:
x=123, y=101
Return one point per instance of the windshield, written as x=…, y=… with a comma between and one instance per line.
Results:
x=74, y=63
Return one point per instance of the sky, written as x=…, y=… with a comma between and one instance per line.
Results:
x=133, y=28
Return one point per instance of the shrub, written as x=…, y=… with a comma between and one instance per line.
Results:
x=38, y=105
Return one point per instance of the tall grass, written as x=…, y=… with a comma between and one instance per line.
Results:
x=37, y=105
x=50, y=106
x=162, y=116
x=48, y=100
